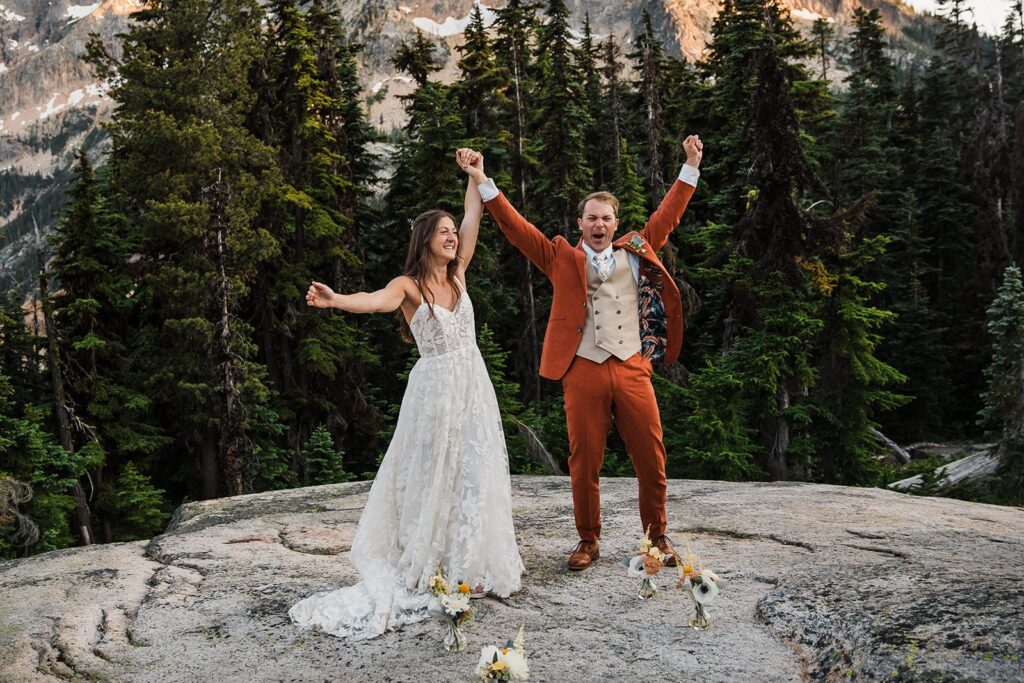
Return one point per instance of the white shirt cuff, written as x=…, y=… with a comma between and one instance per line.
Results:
x=688, y=174
x=488, y=190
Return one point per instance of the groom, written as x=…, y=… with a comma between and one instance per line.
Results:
x=615, y=312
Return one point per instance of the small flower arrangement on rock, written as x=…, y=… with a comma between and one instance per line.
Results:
x=645, y=566
x=702, y=584
x=453, y=606
x=506, y=663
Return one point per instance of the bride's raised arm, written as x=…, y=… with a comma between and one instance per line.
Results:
x=473, y=207
x=384, y=300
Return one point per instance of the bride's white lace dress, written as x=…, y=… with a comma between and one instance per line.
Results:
x=441, y=496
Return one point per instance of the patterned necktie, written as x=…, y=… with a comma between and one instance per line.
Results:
x=604, y=265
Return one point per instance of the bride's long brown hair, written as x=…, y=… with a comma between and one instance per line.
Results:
x=417, y=261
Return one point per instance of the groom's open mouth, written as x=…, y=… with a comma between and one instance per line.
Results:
x=598, y=235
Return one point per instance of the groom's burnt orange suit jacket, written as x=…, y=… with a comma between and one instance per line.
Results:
x=565, y=265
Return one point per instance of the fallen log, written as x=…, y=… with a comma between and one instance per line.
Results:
x=537, y=449
x=979, y=465
x=900, y=454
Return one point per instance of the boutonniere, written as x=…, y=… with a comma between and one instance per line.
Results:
x=636, y=243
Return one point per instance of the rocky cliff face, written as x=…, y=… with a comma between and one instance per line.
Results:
x=820, y=583
x=51, y=103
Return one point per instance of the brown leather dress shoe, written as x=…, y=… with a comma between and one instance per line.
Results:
x=665, y=546
x=583, y=555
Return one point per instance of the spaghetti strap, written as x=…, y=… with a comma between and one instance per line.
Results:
x=418, y=289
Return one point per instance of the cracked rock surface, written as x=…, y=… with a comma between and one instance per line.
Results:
x=819, y=583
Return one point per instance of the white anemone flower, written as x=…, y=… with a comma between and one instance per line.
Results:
x=636, y=567
x=705, y=591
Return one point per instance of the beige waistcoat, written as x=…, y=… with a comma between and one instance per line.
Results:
x=612, y=327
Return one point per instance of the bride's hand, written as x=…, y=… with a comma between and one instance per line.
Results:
x=319, y=295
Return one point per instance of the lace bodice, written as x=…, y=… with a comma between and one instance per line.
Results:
x=445, y=331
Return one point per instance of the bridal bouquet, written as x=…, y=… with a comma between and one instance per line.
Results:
x=453, y=605
x=702, y=585
x=504, y=664
x=645, y=566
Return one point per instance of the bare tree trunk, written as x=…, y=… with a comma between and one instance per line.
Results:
x=778, y=431
x=654, y=126
x=60, y=401
x=208, y=472
x=1017, y=182
x=532, y=350
x=233, y=442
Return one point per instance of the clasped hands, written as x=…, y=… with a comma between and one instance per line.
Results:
x=472, y=162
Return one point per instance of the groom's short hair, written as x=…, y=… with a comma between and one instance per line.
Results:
x=602, y=196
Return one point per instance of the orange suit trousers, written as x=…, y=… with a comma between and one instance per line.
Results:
x=594, y=393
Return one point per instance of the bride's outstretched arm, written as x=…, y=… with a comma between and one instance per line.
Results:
x=473, y=207
x=384, y=300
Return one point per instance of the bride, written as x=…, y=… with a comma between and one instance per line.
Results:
x=442, y=495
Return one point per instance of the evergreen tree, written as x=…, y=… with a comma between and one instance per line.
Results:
x=515, y=28
x=194, y=180
x=36, y=474
x=955, y=281
x=560, y=122
x=139, y=507
x=611, y=117
x=426, y=175
x=864, y=148
x=797, y=332
x=323, y=463
x=1004, y=397
x=822, y=32
x=649, y=61
x=416, y=58
x=852, y=388
x=317, y=361
x=112, y=423
x=1011, y=64
x=482, y=91
x=481, y=84
x=597, y=142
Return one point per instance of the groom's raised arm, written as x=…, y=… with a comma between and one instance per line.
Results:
x=523, y=234
x=668, y=214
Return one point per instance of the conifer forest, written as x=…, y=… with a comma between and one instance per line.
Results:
x=850, y=262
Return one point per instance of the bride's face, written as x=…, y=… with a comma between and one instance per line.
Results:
x=444, y=245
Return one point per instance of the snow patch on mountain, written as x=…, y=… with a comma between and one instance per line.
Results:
x=380, y=84
x=51, y=107
x=808, y=15
x=452, y=26
x=76, y=12
x=8, y=15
